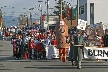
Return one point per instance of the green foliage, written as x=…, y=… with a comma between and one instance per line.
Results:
x=57, y=12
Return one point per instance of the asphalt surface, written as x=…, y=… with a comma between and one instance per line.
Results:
x=8, y=64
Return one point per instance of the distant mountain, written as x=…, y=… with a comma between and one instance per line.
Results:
x=11, y=20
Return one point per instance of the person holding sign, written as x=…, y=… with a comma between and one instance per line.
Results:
x=78, y=48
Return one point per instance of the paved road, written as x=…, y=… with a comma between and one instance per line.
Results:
x=8, y=64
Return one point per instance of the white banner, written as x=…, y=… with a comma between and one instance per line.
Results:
x=81, y=24
x=89, y=52
x=96, y=53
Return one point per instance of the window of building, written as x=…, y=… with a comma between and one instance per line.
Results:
x=91, y=13
x=82, y=10
x=91, y=8
x=91, y=20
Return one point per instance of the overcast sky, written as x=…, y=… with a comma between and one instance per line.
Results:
x=20, y=4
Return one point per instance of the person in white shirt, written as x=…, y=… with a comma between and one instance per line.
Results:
x=27, y=38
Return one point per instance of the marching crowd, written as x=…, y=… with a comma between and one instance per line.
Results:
x=30, y=44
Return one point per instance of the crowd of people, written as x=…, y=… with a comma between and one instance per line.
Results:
x=31, y=43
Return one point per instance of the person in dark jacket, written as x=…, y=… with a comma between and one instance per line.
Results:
x=78, y=48
x=43, y=51
x=106, y=39
x=71, y=53
x=18, y=50
x=26, y=50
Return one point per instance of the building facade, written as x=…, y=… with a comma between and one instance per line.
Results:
x=53, y=19
x=93, y=11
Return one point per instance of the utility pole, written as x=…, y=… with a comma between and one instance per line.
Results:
x=71, y=15
x=1, y=18
x=41, y=14
x=27, y=22
x=31, y=18
x=40, y=10
x=77, y=11
x=47, y=11
x=60, y=9
x=47, y=2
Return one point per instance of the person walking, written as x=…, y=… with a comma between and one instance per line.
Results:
x=78, y=48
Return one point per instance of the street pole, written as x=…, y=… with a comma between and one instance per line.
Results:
x=27, y=22
x=47, y=11
x=77, y=11
x=40, y=10
x=71, y=16
x=60, y=10
x=47, y=14
x=41, y=14
x=31, y=18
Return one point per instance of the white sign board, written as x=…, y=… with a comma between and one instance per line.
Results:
x=61, y=22
x=96, y=53
x=81, y=24
x=53, y=52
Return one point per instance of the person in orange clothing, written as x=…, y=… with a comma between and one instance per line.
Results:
x=62, y=53
x=31, y=49
x=38, y=50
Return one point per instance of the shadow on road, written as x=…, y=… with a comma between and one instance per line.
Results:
x=97, y=65
x=6, y=58
x=4, y=55
x=6, y=69
x=52, y=67
x=46, y=60
x=1, y=45
x=20, y=61
x=67, y=67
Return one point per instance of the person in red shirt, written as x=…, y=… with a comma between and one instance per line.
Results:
x=54, y=42
x=42, y=36
x=38, y=50
x=31, y=48
x=6, y=35
x=39, y=36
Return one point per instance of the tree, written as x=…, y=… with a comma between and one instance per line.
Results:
x=57, y=10
x=67, y=12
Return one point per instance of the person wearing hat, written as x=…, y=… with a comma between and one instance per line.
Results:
x=78, y=48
